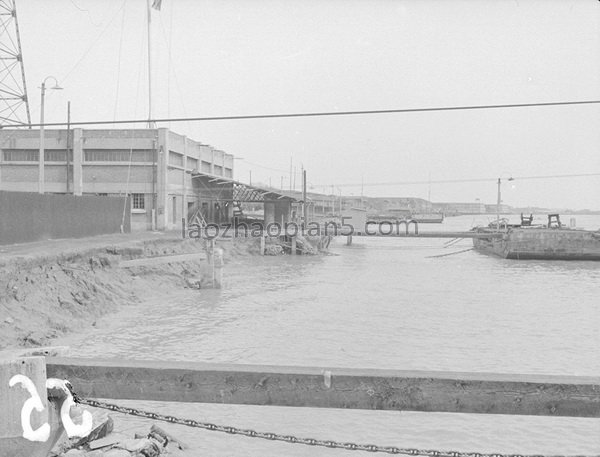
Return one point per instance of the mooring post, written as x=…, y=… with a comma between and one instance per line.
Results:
x=263, y=243
x=211, y=260
x=349, y=240
x=293, y=252
x=24, y=429
x=183, y=227
x=217, y=268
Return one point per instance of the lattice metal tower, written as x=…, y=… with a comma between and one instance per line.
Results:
x=14, y=105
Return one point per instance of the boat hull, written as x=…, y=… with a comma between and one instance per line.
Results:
x=541, y=244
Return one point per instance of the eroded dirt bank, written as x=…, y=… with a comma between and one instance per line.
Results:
x=46, y=296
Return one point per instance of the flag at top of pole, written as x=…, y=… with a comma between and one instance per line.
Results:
x=156, y=4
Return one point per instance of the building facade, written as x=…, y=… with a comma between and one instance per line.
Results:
x=154, y=166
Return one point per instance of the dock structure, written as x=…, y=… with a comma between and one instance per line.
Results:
x=30, y=430
x=482, y=393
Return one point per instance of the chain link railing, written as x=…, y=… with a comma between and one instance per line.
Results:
x=293, y=439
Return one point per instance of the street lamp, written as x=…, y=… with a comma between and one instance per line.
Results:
x=500, y=201
x=41, y=157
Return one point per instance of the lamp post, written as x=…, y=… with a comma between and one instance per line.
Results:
x=500, y=202
x=41, y=158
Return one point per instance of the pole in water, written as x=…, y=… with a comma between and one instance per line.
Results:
x=218, y=268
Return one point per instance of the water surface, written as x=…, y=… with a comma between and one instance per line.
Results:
x=380, y=303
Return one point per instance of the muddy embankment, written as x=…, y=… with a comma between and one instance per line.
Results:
x=43, y=297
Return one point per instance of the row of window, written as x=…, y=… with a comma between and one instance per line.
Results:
x=90, y=155
x=118, y=155
x=31, y=155
x=103, y=155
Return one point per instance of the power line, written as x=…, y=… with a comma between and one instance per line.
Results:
x=321, y=113
x=457, y=181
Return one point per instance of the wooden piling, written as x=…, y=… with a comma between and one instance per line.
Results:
x=263, y=244
x=294, y=247
x=349, y=240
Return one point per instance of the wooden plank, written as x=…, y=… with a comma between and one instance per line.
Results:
x=434, y=234
x=332, y=388
x=149, y=261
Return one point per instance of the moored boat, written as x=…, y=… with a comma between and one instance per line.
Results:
x=543, y=242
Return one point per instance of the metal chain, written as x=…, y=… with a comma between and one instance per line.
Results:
x=290, y=438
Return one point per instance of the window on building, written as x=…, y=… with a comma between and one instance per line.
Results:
x=137, y=201
x=57, y=155
x=20, y=155
x=118, y=155
x=205, y=167
x=175, y=159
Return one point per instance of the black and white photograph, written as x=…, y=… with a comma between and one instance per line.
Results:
x=299, y=228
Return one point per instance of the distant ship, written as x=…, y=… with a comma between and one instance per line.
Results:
x=428, y=218
x=407, y=214
x=553, y=241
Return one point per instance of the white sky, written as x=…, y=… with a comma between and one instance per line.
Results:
x=216, y=58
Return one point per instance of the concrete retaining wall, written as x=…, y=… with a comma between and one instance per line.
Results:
x=26, y=216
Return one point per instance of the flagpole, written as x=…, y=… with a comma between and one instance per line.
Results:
x=150, y=123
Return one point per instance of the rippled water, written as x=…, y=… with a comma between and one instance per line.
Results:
x=380, y=303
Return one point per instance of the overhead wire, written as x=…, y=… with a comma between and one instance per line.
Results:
x=171, y=67
x=87, y=51
x=88, y=13
x=467, y=180
x=328, y=113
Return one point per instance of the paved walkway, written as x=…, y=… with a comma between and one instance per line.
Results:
x=74, y=245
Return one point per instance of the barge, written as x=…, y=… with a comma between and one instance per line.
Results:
x=524, y=241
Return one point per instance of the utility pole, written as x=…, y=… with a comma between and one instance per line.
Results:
x=68, y=147
x=151, y=124
x=498, y=206
x=303, y=198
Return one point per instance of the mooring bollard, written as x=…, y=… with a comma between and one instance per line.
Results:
x=263, y=244
x=293, y=252
x=349, y=240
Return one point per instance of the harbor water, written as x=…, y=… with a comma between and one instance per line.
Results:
x=386, y=303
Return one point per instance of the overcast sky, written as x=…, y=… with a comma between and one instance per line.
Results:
x=219, y=58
